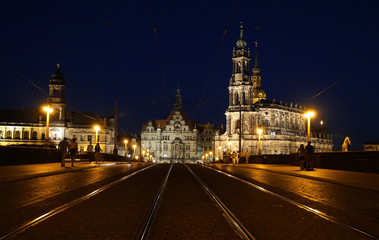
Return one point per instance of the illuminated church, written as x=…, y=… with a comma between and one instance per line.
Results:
x=28, y=126
x=283, y=125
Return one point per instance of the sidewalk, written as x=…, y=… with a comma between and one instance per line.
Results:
x=368, y=181
x=23, y=172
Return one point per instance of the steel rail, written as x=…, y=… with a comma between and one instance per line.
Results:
x=67, y=206
x=233, y=220
x=300, y=205
x=154, y=208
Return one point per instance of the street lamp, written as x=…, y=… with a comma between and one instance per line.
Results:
x=48, y=110
x=229, y=143
x=97, y=128
x=206, y=158
x=134, y=150
x=126, y=144
x=219, y=150
x=211, y=156
x=259, y=131
x=308, y=115
x=143, y=155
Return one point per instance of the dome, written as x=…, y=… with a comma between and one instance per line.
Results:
x=241, y=43
x=57, y=77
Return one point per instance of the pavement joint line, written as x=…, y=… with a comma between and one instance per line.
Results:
x=310, y=177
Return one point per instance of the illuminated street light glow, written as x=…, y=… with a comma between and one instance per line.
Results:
x=97, y=128
x=48, y=110
x=308, y=115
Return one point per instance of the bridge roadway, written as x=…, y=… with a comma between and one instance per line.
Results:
x=114, y=201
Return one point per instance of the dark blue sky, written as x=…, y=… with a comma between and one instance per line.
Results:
x=108, y=49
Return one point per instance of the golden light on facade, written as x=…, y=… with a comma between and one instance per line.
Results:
x=126, y=144
x=48, y=110
x=134, y=151
x=259, y=131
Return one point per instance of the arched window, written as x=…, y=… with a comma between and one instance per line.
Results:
x=1, y=134
x=34, y=137
x=26, y=135
x=9, y=134
x=17, y=135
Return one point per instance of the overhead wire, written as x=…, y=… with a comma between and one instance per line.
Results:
x=158, y=52
x=215, y=59
x=345, y=76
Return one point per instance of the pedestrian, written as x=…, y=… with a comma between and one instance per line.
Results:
x=302, y=152
x=234, y=155
x=62, y=150
x=73, y=151
x=97, y=152
x=309, y=158
x=89, y=152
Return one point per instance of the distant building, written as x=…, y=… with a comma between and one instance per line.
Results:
x=171, y=139
x=371, y=146
x=283, y=125
x=28, y=126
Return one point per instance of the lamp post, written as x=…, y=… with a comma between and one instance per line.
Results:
x=143, y=155
x=126, y=146
x=206, y=157
x=97, y=128
x=259, y=131
x=219, y=153
x=229, y=144
x=308, y=115
x=211, y=156
x=134, y=150
x=48, y=110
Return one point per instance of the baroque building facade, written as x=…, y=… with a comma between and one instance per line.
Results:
x=28, y=126
x=283, y=125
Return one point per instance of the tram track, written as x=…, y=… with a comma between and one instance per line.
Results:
x=319, y=213
x=146, y=226
x=33, y=200
x=30, y=223
x=242, y=231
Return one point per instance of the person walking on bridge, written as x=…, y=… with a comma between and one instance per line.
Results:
x=62, y=150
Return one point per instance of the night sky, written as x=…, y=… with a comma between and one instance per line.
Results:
x=108, y=49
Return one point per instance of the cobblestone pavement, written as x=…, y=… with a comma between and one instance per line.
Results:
x=185, y=211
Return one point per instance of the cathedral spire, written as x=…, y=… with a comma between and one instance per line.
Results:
x=178, y=99
x=241, y=31
x=256, y=69
x=241, y=44
x=258, y=92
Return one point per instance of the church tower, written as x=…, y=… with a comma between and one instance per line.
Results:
x=258, y=92
x=240, y=89
x=57, y=99
x=240, y=85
